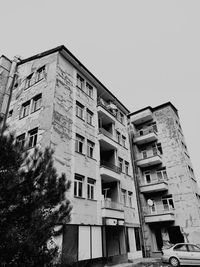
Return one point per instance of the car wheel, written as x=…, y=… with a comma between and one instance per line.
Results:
x=174, y=261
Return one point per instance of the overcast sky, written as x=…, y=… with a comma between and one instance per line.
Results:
x=146, y=52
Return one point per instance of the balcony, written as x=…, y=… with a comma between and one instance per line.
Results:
x=149, y=158
x=145, y=136
x=159, y=213
x=109, y=172
x=111, y=209
x=141, y=117
x=106, y=110
x=154, y=186
x=107, y=140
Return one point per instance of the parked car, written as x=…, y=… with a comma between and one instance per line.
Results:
x=182, y=254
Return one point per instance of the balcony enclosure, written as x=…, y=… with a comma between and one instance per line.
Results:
x=149, y=157
x=160, y=211
x=154, y=181
x=146, y=135
x=111, y=206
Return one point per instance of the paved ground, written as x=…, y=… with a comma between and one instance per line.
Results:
x=147, y=262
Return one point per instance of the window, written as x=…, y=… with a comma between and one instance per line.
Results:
x=120, y=164
x=32, y=137
x=10, y=113
x=79, y=110
x=161, y=175
x=137, y=238
x=40, y=74
x=121, y=117
x=180, y=247
x=126, y=167
x=130, y=199
x=28, y=81
x=90, y=149
x=193, y=248
x=159, y=147
x=154, y=127
x=147, y=177
x=36, y=104
x=123, y=192
x=79, y=144
x=21, y=140
x=144, y=154
x=123, y=141
x=168, y=203
x=118, y=136
x=78, y=185
x=89, y=117
x=79, y=82
x=89, y=90
x=25, y=109
x=90, y=188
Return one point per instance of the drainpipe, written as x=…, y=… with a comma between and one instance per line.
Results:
x=140, y=211
x=8, y=93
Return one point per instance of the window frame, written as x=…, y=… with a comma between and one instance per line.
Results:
x=80, y=110
x=89, y=117
x=21, y=139
x=32, y=137
x=126, y=164
x=80, y=82
x=120, y=164
x=124, y=196
x=79, y=185
x=89, y=90
x=130, y=199
x=35, y=99
x=91, y=188
x=90, y=149
x=25, y=109
x=79, y=144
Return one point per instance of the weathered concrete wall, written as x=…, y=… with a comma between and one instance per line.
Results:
x=5, y=66
x=181, y=186
x=43, y=117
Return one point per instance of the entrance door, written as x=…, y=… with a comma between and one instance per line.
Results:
x=158, y=238
x=175, y=235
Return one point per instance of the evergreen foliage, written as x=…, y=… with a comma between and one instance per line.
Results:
x=32, y=202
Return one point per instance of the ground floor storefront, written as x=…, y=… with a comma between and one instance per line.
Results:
x=92, y=245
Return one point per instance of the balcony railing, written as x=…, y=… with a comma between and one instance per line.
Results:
x=145, y=131
x=149, y=153
x=106, y=133
x=109, y=204
x=155, y=181
x=158, y=209
x=110, y=166
x=106, y=106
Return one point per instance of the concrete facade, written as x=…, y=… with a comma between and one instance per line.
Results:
x=169, y=193
x=57, y=102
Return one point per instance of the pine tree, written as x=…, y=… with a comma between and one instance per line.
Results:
x=32, y=202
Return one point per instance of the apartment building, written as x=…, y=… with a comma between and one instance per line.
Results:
x=56, y=101
x=169, y=194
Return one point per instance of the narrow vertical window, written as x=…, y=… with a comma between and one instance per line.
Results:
x=79, y=144
x=90, y=188
x=90, y=149
x=29, y=81
x=36, y=104
x=79, y=110
x=120, y=164
x=32, y=137
x=78, y=185
x=21, y=140
x=126, y=168
x=130, y=199
x=25, y=109
x=123, y=193
x=80, y=82
x=89, y=90
x=89, y=117
x=40, y=74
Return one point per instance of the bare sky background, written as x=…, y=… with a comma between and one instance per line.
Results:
x=146, y=52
